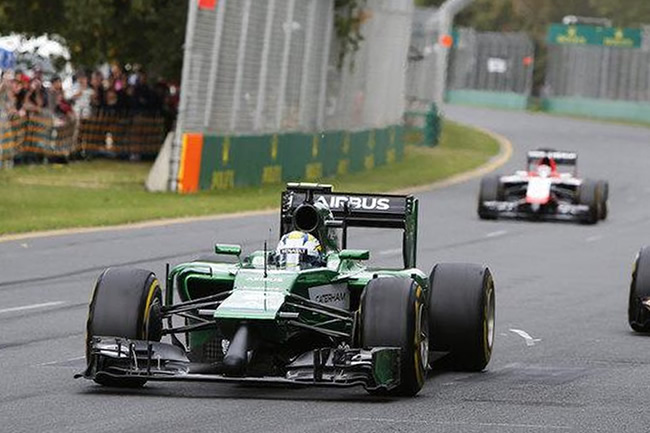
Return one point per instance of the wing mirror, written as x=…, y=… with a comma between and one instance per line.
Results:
x=227, y=250
x=354, y=255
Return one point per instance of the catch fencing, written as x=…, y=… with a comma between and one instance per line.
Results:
x=491, y=68
x=426, y=62
x=258, y=68
x=598, y=71
x=121, y=134
x=424, y=58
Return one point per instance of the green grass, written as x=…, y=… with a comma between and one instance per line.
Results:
x=84, y=194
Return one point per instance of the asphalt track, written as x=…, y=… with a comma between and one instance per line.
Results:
x=564, y=358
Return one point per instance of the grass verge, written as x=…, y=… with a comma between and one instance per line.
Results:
x=96, y=193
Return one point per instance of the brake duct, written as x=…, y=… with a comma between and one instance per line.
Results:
x=236, y=359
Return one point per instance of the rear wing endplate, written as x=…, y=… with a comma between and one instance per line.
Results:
x=358, y=210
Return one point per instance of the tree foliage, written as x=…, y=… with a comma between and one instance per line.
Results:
x=349, y=15
x=534, y=15
x=147, y=32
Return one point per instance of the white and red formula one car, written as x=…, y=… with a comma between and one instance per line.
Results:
x=548, y=190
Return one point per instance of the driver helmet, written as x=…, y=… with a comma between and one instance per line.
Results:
x=544, y=170
x=299, y=250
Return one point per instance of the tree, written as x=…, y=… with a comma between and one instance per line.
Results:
x=147, y=32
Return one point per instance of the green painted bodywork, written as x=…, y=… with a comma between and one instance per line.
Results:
x=280, y=303
x=259, y=299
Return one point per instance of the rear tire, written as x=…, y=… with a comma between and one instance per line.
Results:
x=588, y=195
x=125, y=303
x=490, y=191
x=394, y=314
x=462, y=313
x=603, y=190
x=638, y=315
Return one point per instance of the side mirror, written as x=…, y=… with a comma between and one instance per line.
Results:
x=354, y=255
x=227, y=250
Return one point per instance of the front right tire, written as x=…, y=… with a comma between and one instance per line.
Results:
x=603, y=204
x=588, y=194
x=462, y=313
x=394, y=314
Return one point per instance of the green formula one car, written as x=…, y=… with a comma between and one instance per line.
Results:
x=305, y=313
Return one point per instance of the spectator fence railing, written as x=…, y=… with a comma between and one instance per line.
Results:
x=119, y=134
x=102, y=134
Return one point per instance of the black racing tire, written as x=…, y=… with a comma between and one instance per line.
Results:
x=638, y=315
x=588, y=195
x=603, y=202
x=125, y=303
x=394, y=314
x=462, y=314
x=490, y=190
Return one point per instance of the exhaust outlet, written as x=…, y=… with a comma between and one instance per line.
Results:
x=306, y=218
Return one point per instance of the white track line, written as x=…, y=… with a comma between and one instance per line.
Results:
x=530, y=341
x=31, y=307
x=496, y=234
x=593, y=238
x=460, y=423
x=77, y=358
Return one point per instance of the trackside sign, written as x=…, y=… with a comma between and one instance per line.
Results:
x=559, y=34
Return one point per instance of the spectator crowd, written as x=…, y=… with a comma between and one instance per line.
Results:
x=29, y=93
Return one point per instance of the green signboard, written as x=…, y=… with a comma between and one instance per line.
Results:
x=591, y=35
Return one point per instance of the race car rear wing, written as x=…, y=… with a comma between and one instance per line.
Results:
x=356, y=210
x=560, y=157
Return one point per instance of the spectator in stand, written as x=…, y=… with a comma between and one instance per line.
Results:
x=118, y=83
x=165, y=99
x=36, y=97
x=128, y=102
x=7, y=97
x=118, y=78
x=112, y=102
x=82, y=95
x=146, y=100
x=99, y=93
x=21, y=84
x=59, y=106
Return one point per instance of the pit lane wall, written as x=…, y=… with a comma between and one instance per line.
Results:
x=218, y=162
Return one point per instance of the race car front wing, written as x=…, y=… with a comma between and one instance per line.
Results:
x=376, y=368
x=562, y=212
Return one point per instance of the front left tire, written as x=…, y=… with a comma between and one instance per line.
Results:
x=394, y=314
x=490, y=190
